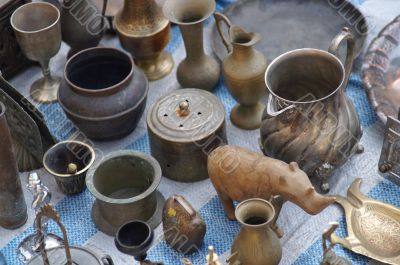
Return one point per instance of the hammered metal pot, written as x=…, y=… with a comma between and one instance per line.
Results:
x=309, y=119
x=125, y=187
x=104, y=93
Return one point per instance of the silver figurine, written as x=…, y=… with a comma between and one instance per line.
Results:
x=30, y=245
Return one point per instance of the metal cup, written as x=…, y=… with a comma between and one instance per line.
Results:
x=125, y=187
x=68, y=162
x=38, y=32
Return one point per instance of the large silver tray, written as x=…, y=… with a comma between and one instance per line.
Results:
x=291, y=24
x=381, y=71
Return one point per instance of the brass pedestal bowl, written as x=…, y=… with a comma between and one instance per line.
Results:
x=124, y=185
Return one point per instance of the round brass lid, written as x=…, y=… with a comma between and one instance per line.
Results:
x=186, y=115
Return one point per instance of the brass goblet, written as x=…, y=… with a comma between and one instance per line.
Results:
x=37, y=28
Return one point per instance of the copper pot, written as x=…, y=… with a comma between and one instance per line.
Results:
x=97, y=78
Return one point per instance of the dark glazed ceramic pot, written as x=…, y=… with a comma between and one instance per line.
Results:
x=104, y=93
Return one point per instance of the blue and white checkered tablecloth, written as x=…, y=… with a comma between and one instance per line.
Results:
x=301, y=242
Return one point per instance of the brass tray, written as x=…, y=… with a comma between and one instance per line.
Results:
x=291, y=24
x=373, y=226
x=381, y=71
x=31, y=136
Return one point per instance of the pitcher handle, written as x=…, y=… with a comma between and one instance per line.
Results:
x=345, y=34
x=273, y=113
x=219, y=17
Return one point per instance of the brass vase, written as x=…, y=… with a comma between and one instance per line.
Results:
x=144, y=32
x=256, y=243
x=197, y=70
x=79, y=31
x=13, y=211
x=243, y=71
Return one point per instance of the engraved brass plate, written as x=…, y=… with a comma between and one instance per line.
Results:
x=373, y=226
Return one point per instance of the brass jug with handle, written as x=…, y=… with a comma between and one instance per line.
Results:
x=243, y=71
x=308, y=118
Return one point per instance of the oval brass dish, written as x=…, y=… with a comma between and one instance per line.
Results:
x=373, y=226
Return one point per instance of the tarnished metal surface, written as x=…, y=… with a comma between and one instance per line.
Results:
x=373, y=227
x=97, y=78
x=13, y=210
x=381, y=71
x=145, y=32
x=256, y=243
x=135, y=238
x=125, y=187
x=292, y=24
x=389, y=162
x=65, y=254
x=330, y=257
x=29, y=246
x=243, y=71
x=184, y=126
x=31, y=136
x=68, y=162
x=197, y=70
x=308, y=118
x=37, y=29
x=82, y=31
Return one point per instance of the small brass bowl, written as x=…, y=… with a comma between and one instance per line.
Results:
x=125, y=185
x=68, y=162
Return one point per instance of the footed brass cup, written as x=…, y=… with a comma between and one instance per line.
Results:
x=37, y=28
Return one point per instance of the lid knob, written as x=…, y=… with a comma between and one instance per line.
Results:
x=183, y=108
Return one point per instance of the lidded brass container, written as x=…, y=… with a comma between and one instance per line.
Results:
x=144, y=32
x=184, y=127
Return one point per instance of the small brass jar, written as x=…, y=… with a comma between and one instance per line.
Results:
x=144, y=32
x=184, y=126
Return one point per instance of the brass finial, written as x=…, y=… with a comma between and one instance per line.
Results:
x=183, y=108
x=72, y=168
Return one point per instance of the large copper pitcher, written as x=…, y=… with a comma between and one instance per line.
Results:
x=308, y=118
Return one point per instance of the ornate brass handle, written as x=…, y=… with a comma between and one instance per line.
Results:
x=345, y=34
x=222, y=18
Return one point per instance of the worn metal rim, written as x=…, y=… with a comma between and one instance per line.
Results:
x=369, y=86
x=151, y=189
x=301, y=52
x=90, y=149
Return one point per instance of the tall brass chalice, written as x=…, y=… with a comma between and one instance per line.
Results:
x=37, y=28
